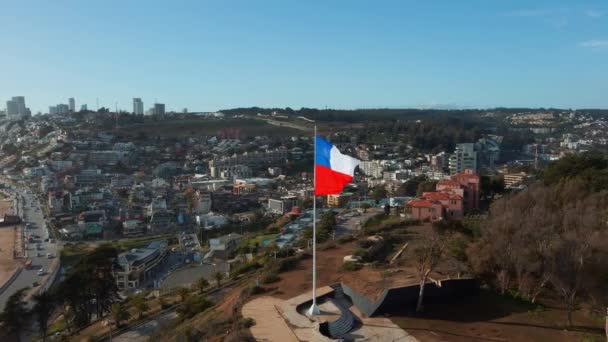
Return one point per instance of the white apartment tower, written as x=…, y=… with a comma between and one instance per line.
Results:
x=138, y=106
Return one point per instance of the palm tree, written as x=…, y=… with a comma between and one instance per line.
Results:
x=120, y=313
x=140, y=305
x=183, y=293
x=218, y=277
x=43, y=307
x=202, y=284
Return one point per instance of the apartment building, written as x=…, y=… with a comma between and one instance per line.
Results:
x=137, y=266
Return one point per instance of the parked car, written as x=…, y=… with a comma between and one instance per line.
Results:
x=40, y=272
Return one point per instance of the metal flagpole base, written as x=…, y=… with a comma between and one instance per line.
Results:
x=313, y=310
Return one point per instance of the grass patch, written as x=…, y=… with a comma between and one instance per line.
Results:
x=71, y=254
x=351, y=266
x=125, y=245
x=260, y=239
x=57, y=326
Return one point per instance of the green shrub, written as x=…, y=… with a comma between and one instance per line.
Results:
x=351, y=266
x=256, y=290
x=346, y=239
x=361, y=253
x=327, y=245
x=288, y=264
x=366, y=243
x=247, y=322
x=192, y=306
x=243, y=268
x=270, y=278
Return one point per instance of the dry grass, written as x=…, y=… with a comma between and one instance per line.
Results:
x=8, y=264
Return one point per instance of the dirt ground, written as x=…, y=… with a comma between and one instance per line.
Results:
x=7, y=243
x=491, y=317
x=487, y=317
x=294, y=283
x=368, y=280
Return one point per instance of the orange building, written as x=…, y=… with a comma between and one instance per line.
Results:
x=451, y=200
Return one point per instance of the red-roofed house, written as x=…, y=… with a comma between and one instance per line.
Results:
x=454, y=197
x=451, y=203
x=470, y=183
x=424, y=210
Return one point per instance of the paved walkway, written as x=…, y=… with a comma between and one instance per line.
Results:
x=269, y=325
x=278, y=320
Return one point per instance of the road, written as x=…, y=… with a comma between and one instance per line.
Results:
x=352, y=225
x=30, y=211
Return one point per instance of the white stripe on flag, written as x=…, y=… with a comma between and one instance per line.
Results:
x=342, y=163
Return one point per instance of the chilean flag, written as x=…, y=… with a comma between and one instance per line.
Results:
x=333, y=170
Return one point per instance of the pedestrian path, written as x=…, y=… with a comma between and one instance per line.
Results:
x=269, y=324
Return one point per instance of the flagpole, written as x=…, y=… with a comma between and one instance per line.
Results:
x=314, y=309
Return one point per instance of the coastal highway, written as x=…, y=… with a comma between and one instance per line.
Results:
x=29, y=210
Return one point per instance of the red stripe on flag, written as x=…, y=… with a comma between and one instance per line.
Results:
x=330, y=182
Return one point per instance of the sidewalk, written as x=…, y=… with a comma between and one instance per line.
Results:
x=269, y=325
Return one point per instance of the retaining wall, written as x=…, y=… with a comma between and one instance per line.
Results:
x=398, y=299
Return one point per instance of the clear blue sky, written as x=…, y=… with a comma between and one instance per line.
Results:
x=207, y=55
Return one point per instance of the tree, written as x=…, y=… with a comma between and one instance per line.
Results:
x=140, y=304
x=575, y=165
x=119, y=313
x=425, y=186
x=202, y=284
x=43, y=308
x=91, y=280
x=547, y=235
x=410, y=187
x=15, y=314
x=379, y=193
x=218, y=277
x=183, y=293
x=427, y=256
x=365, y=206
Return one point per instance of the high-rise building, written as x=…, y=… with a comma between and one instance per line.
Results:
x=52, y=110
x=463, y=158
x=83, y=107
x=159, y=109
x=72, y=104
x=16, y=107
x=62, y=109
x=11, y=108
x=138, y=106
x=22, y=110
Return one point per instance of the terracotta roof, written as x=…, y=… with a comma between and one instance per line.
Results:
x=448, y=182
x=466, y=175
x=440, y=195
x=436, y=196
x=452, y=193
x=420, y=203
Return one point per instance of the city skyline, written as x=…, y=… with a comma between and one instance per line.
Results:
x=344, y=55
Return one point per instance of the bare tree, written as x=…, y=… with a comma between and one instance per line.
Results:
x=548, y=235
x=427, y=257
